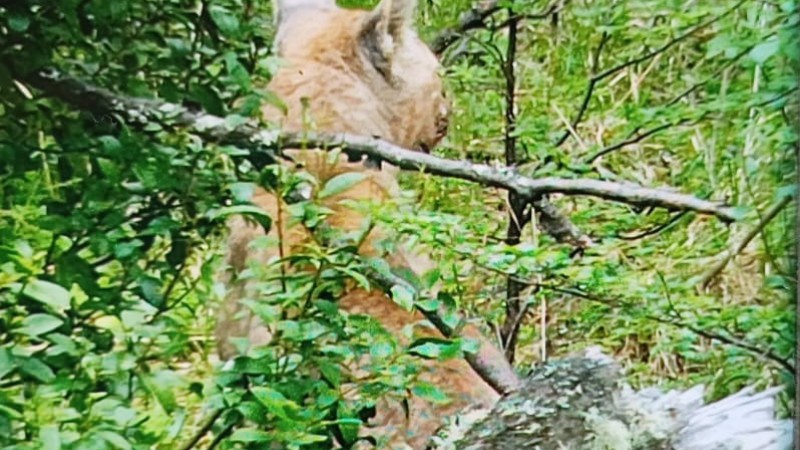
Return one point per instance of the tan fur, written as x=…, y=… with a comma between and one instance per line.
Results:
x=365, y=73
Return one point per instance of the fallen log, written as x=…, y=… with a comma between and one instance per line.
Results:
x=582, y=403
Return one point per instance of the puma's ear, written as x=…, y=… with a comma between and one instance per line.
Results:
x=383, y=30
x=284, y=8
x=393, y=16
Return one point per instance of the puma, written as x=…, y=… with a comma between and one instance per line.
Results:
x=366, y=73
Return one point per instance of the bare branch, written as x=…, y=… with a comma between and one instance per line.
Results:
x=267, y=145
x=203, y=430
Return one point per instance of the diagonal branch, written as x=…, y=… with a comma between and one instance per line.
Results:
x=267, y=146
x=737, y=247
x=496, y=375
x=604, y=38
x=637, y=136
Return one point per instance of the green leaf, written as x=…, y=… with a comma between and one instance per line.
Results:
x=379, y=265
x=764, y=51
x=359, y=278
x=427, y=349
x=250, y=435
x=341, y=183
x=238, y=74
x=431, y=277
x=312, y=330
x=18, y=22
x=289, y=329
x=331, y=372
x=739, y=212
x=6, y=362
x=381, y=349
x=272, y=99
x=252, y=211
x=274, y=401
x=50, y=294
x=403, y=296
x=111, y=145
x=116, y=440
x=227, y=23
x=308, y=438
x=37, y=324
x=163, y=393
x=49, y=437
x=123, y=250
x=243, y=192
x=178, y=422
x=208, y=97
x=785, y=191
x=429, y=304
x=233, y=121
x=37, y=369
x=151, y=290
x=718, y=44
x=431, y=393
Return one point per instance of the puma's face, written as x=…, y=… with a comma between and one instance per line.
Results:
x=365, y=72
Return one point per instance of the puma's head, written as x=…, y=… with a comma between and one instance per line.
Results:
x=361, y=72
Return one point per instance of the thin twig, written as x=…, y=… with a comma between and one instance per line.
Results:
x=204, y=429
x=222, y=435
x=737, y=247
x=635, y=137
x=597, y=77
x=730, y=340
x=654, y=230
x=469, y=20
x=617, y=303
x=476, y=18
x=604, y=38
x=553, y=8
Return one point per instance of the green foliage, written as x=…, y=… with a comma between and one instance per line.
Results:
x=707, y=109
x=110, y=235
